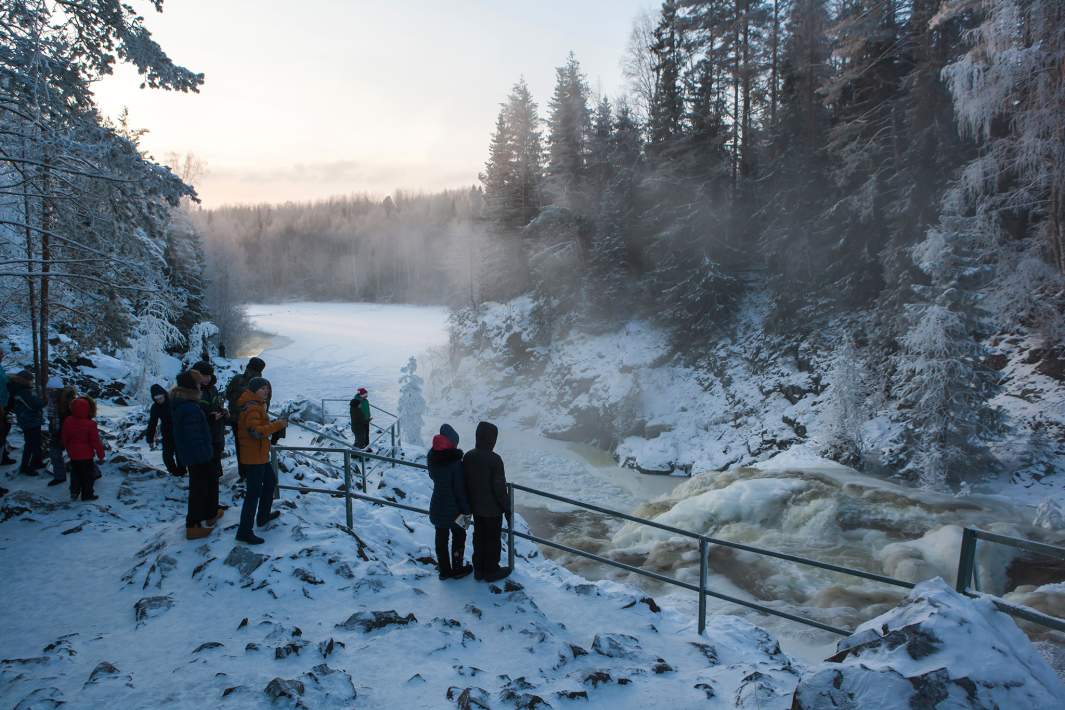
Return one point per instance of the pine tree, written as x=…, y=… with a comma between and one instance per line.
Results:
x=569, y=128
x=499, y=174
x=667, y=103
x=523, y=120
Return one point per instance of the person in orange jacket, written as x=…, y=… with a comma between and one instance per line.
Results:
x=254, y=429
x=81, y=439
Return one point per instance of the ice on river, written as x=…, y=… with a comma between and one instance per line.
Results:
x=327, y=350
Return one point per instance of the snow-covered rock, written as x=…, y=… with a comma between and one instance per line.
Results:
x=937, y=650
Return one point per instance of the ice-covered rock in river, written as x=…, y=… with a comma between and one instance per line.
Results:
x=938, y=649
x=367, y=621
x=1050, y=515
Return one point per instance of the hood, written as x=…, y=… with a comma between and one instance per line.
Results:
x=81, y=408
x=442, y=443
x=192, y=394
x=486, y=436
x=443, y=457
x=249, y=397
x=22, y=379
x=157, y=390
x=452, y=435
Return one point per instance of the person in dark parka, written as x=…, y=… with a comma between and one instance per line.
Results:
x=192, y=439
x=486, y=485
x=161, y=420
x=29, y=413
x=449, y=503
x=214, y=408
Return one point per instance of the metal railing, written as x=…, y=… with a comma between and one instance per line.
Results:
x=704, y=542
x=967, y=573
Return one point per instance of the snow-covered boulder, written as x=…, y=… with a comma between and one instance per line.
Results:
x=938, y=649
x=1050, y=515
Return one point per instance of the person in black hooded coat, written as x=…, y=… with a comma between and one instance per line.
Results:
x=486, y=484
x=448, y=503
x=160, y=417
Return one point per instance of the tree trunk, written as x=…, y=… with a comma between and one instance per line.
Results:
x=48, y=222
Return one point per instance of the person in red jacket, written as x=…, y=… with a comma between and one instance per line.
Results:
x=81, y=439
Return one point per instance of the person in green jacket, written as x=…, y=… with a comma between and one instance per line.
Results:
x=360, y=418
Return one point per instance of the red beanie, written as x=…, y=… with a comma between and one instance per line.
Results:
x=442, y=443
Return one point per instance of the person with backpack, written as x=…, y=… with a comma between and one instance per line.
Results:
x=81, y=439
x=28, y=410
x=486, y=485
x=160, y=418
x=59, y=398
x=214, y=408
x=192, y=439
x=449, y=504
x=234, y=390
x=5, y=425
x=360, y=418
x=254, y=433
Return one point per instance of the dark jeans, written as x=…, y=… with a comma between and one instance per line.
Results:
x=486, y=543
x=216, y=468
x=258, y=494
x=362, y=434
x=170, y=458
x=458, y=548
x=55, y=452
x=32, y=456
x=200, y=477
x=82, y=477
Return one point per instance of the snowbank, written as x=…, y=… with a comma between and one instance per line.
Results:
x=940, y=650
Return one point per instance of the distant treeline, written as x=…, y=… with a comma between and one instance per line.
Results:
x=412, y=248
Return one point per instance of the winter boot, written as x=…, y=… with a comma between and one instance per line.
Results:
x=497, y=574
x=274, y=515
x=459, y=568
x=445, y=569
x=250, y=539
x=197, y=533
x=218, y=516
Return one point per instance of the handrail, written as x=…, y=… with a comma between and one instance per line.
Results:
x=717, y=541
x=967, y=573
x=372, y=406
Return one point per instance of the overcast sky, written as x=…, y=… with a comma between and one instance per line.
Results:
x=314, y=98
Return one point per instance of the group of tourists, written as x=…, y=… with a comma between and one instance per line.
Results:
x=192, y=419
x=72, y=432
x=471, y=485
x=190, y=422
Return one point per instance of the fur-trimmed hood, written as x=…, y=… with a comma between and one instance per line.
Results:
x=189, y=393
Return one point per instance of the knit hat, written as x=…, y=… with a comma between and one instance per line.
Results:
x=452, y=435
x=362, y=390
x=55, y=382
x=204, y=368
x=257, y=383
x=187, y=380
x=256, y=364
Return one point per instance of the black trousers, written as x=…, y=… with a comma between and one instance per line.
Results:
x=362, y=434
x=82, y=477
x=258, y=495
x=236, y=447
x=170, y=458
x=216, y=470
x=486, y=543
x=458, y=547
x=201, y=476
x=32, y=454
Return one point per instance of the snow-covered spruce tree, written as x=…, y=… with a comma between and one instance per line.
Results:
x=411, y=403
x=942, y=386
x=153, y=335
x=523, y=120
x=846, y=410
x=569, y=129
x=667, y=102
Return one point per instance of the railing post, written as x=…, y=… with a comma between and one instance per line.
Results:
x=362, y=474
x=510, y=529
x=276, y=469
x=347, y=490
x=966, y=560
x=393, y=430
x=704, y=564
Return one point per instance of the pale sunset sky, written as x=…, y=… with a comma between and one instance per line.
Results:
x=305, y=99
